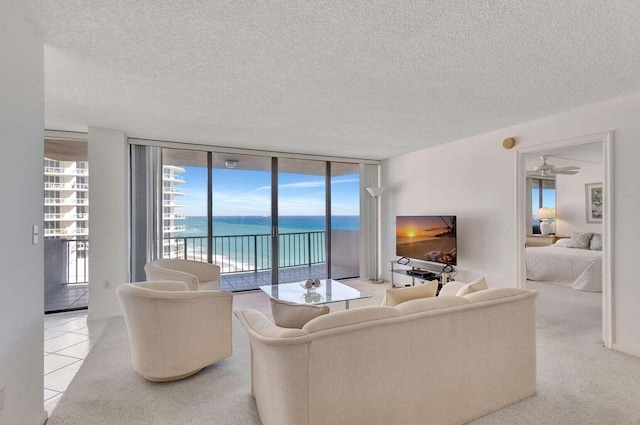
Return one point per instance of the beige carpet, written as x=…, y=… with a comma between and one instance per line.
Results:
x=579, y=381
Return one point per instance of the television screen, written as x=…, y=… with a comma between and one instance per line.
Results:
x=427, y=238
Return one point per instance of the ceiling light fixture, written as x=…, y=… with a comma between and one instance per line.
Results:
x=231, y=163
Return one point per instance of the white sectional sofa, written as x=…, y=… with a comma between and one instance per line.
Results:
x=443, y=360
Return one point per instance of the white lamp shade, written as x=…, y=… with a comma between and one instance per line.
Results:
x=545, y=214
x=375, y=191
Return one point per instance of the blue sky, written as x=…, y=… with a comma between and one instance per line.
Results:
x=548, y=199
x=243, y=192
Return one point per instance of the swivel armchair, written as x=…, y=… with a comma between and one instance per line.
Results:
x=174, y=332
x=196, y=274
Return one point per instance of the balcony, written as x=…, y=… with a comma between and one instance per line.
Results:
x=172, y=190
x=166, y=203
x=173, y=216
x=66, y=274
x=174, y=178
x=245, y=253
x=78, y=231
x=66, y=201
x=66, y=217
x=76, y=187
x=61, y=171
x=173, y=168
x=173, y=229
x=245, y=260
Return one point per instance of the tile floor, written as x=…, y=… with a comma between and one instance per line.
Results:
x=68, y=338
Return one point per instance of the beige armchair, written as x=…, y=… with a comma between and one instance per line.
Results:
x=197, y=275
x=174, y=332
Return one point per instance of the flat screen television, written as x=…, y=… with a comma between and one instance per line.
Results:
x=429, y=238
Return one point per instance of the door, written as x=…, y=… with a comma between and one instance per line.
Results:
x=301, y=226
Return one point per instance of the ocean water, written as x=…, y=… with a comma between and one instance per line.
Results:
x=259, y=225
x=302, y=240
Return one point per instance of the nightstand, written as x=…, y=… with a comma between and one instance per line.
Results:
x=541, y=240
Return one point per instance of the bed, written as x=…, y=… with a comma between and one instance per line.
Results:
x=577, y=268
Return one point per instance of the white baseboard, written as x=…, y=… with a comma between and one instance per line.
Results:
x=632, y=351
x=43, y=418
x=93, y=318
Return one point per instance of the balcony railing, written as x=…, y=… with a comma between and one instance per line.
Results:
x=66, y=186
x=66, y=201
x=173, y=190
x=173, y=177
x=172, y=229
x=174, y=216
x=67, y=171
x=246, y=253
x=66, y=216
x=172, y=204
x=174, y=168
x=74, y=253
x=66, y=232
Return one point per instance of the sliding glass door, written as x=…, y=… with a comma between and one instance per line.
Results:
x=241, y=219
x=262, y=219
x=184, y=204
x=66, y=225
x=345, y=220
x=302, y=220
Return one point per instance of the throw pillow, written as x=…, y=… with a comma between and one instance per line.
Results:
x=475, y=286
x=596, y=242
x=291, y=315
x=580, y=240
x=562, y=242
x=400, y=295
x=451, y=288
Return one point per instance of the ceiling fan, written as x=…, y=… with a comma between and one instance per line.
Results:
x=546, y=170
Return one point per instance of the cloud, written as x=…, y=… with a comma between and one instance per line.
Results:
x=308, y=184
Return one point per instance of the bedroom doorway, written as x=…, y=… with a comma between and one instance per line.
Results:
x=565, y=187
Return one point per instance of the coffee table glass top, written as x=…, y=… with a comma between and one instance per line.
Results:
x=331, y=291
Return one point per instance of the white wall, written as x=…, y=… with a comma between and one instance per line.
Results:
x=570, y=198
x=21, y=262
x=109, y=225
x=474, y=178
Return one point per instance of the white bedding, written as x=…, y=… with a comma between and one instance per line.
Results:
x=578, y=268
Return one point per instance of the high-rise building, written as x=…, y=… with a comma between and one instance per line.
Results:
x=66, y=200
x=172, y=246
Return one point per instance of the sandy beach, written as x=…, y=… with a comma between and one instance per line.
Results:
x=419, y=250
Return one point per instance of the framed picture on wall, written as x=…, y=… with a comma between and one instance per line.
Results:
x=593, y=202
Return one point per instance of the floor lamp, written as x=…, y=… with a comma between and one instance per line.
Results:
x=376, y=192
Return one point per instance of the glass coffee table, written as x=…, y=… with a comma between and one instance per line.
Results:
x=330, y=291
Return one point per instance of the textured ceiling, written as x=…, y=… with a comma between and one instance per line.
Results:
x=364, y=79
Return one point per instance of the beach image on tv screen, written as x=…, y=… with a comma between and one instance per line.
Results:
x=427, y=238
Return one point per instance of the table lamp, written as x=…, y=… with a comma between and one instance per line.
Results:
x=545, y=215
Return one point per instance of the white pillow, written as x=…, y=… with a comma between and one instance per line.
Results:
x=475, y=286
x=596, y=242
x=580, y=240
x=291, y=315
x=562, y=242
x=450, y=289
x=400, y=295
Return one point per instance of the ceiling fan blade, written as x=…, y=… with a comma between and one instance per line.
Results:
x=569, y=168
x=567, y=172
